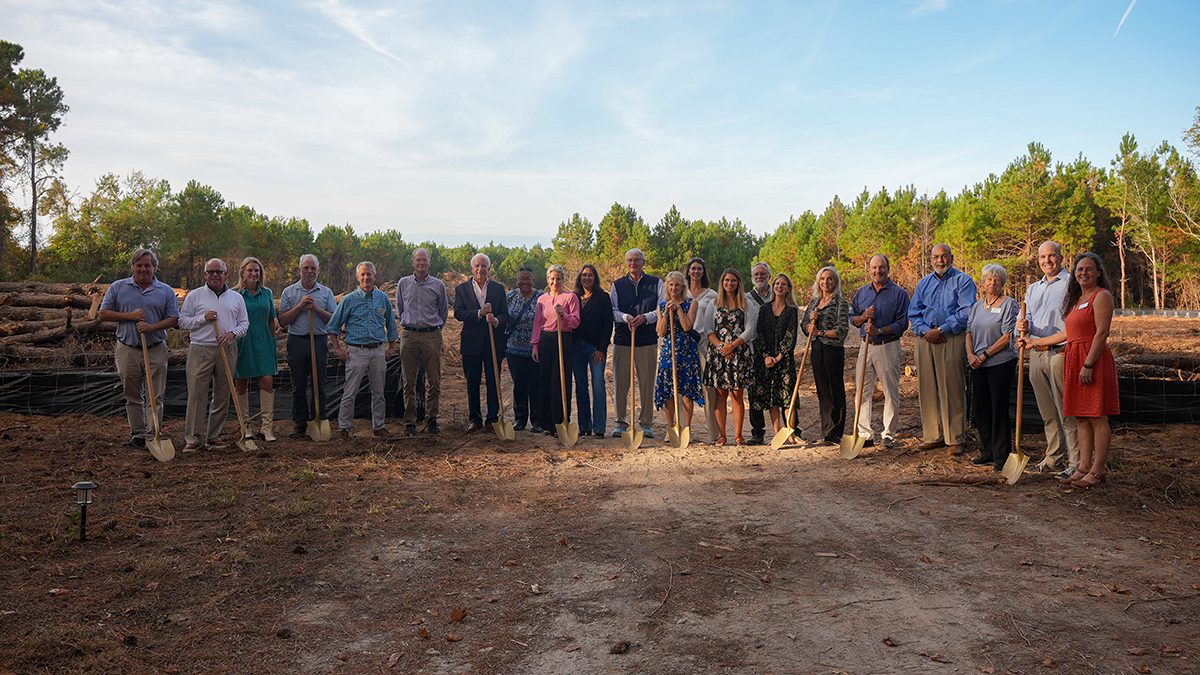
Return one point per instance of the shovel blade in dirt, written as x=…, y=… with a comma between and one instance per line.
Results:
x=782, y=437
x=319, y=430
x=633, y=438
x=568, y=433
x=685, y=437
x=161, y=448
x=679, y=437
x=852, y=444
x=504, y=430
x=247, y=444
x=1014, y=466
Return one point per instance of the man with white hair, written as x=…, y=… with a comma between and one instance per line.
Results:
x=366, y=314
x=1044, y=301
x=938, y=315
x=421, y=307
x=301, y=304
x=479, y=303
x=635, y=299
x=760, y=294
x=206, y=309
x=144, y=308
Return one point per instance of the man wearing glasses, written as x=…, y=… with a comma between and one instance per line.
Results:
x=214, y=305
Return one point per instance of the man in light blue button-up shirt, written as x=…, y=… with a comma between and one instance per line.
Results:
x=938, y=315
x=1044, y=302
x=366, y=315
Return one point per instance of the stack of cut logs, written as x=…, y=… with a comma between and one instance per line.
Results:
x=55, y=324
x=1179, y=367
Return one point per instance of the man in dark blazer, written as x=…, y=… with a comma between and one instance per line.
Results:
x=480, y=303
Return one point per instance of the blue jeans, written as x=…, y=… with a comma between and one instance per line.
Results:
x=591, y=417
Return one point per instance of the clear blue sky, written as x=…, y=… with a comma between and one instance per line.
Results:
x=497, y=120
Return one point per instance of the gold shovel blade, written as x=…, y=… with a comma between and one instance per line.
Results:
x=247, y=444
x=673, y=437
x=568, y=433
x=685, y=437
x=319, y=431
x=505, y=430
x=161, y=448
x=781, y=437
x=1014, y=466
x=852, y=444
x=633, y=438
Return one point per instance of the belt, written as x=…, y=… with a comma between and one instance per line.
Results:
x=150, y=345
x=422, y=329
x=369, y=345
x=1054, y=349
x=884, y=340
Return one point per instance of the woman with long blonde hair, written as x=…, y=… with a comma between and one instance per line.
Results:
x=680, y=310
x=256, y=358
x=729, y=361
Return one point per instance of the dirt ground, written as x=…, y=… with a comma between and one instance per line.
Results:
x=466, y=554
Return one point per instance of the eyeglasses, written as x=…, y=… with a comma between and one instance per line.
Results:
x=214, y=271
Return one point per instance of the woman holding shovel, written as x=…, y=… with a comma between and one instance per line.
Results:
x=828, y=314
x=992, y=358
x=256, y=349
x=554, y=322
x=679, y=310
x=774, y=351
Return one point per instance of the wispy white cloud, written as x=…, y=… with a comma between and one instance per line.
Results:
x=930, y=6
x=1124, y=16
x=354, y=22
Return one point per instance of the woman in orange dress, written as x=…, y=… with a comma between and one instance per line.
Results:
x=1090, y=373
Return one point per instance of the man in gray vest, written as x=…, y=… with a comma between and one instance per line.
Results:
x=758, y=296
x=635, y=299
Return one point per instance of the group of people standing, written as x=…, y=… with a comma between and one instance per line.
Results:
x=724, y=347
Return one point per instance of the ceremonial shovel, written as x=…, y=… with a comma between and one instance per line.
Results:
x=633, y=435
x=162, y=448
x=503, y=428
x=568, y=432
x=245, y=442
x=1015, y=464
x=789, y=422
x=677, y=434
x=318, y=429
x=852, y=443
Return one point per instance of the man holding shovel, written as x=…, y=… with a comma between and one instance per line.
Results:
x=302, y=302
x=882, y=308
x=1044, y=299
x=635, y=299
x=204, y=309
x=144, y=308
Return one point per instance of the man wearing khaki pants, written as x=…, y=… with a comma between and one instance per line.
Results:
x=422, y=307
x=1044, y=301
x=938, y=315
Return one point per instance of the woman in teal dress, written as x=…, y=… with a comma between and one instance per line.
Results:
x=256, y=350
x=681, y=311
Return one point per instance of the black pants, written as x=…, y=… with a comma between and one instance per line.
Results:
x=990, y=389
x=525, y=377
x=300, y=364
x=550, y=386
x=758, y=420
x=475, y=366
x=829, y=365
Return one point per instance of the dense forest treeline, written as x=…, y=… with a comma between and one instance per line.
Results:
x=1141, y=212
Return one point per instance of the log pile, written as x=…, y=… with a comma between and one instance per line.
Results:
x=57, y=325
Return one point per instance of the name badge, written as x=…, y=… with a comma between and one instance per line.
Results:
x=995, y=310
x=1083, y=306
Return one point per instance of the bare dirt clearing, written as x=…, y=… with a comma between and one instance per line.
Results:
x=448, y=554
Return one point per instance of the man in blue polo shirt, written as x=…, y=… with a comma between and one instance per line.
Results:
x=880, y=311
x=366, y=314
x=145, y=307
x=938, y=314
